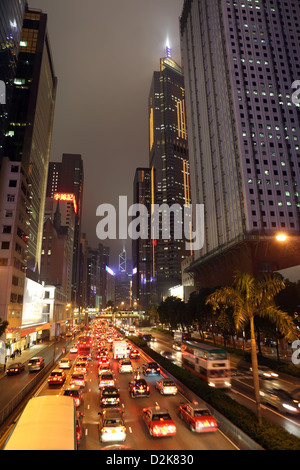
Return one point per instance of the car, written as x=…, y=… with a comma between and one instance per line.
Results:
x=198, y=417
x=109, y=396
x=112, y=427
x=15, y=368
x=103, y=364
x=74, y=392
x=77, y=379
x=139, y=388
x=282, y=400
x=125, y=366
x=158, y=421
x=79, y=427
x=85, y=359
x=73, y=349
x=177, y=346
x=57, y=377
x=167, y=354
x=36, y=363
x=80, y=367
x=65, y=363
x=134, y=354
x=148, y=338
x=151, y=368
x=265, y=373
x=167, y=387
x=106, y=379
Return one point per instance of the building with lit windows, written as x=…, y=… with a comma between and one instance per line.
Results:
x=65, y=181
x=11, y=22
x=169, y=164
x=240, y=60
x=142, y=279
x=29, y=131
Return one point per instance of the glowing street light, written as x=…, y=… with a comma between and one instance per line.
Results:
x=281, y=237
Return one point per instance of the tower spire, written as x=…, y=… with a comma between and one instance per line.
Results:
x=168, y=50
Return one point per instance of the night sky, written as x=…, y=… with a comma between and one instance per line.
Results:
x=105, y=53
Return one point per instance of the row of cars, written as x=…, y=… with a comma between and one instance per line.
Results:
x=158, y=420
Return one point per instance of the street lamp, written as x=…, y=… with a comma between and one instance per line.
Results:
x=281, y=237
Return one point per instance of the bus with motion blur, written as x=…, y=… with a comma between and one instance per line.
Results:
x=46, y=423
x=84, y=345
x=210, y=363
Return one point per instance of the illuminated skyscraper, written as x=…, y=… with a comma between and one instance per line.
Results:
x=142, y=279
x=240, y=60
x=31, y=117
x=168, y=161
x=11, y=21
x=65, y=180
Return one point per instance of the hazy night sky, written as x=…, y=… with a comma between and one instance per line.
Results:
x=105, y=53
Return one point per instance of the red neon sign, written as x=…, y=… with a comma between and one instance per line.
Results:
x=66, y=197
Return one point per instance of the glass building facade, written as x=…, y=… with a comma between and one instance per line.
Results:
x=11, y=21
x=29, y=131
x=169, y=162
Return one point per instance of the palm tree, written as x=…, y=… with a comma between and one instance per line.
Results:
x=250, y=297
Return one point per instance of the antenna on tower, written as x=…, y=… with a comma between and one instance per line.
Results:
x=168, y=49
x=122, y=261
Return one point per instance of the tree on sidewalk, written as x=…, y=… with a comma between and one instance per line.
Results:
x=249, y=298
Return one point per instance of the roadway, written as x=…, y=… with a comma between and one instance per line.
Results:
x=242, y=389
x=138, y=437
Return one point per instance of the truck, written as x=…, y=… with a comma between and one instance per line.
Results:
x=179, y=336
x=120, y=350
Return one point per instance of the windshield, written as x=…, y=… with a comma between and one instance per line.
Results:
x=201, y=412
x=161, y=417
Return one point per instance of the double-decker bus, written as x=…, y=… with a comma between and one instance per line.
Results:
x=84, y=345
x=210, y=363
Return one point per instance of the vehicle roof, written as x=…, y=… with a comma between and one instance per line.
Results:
x=46, y=423
x=197, y=406
x=112, y=412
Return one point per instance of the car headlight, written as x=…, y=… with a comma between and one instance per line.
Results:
x=289, y=407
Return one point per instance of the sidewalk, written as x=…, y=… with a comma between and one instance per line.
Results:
x=35, y=350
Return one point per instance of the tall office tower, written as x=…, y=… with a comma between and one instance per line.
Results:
x=31, y=120
x=240, y=60
x=65, y=180
x=168, y=160
x=104, y=252
x=141, y=247
x=82, y=295
x=11, y=21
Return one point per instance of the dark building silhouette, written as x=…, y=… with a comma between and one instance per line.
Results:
x=168, y=161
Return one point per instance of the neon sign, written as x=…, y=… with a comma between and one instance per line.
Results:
x=69, y=197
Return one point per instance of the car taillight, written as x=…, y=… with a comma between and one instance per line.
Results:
x=148, y=388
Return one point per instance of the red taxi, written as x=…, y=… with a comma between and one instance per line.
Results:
x=57, y=377
x=79, y=430
x=159, y=422
x=74, y=392
x=134, y=354
x=198, y=417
